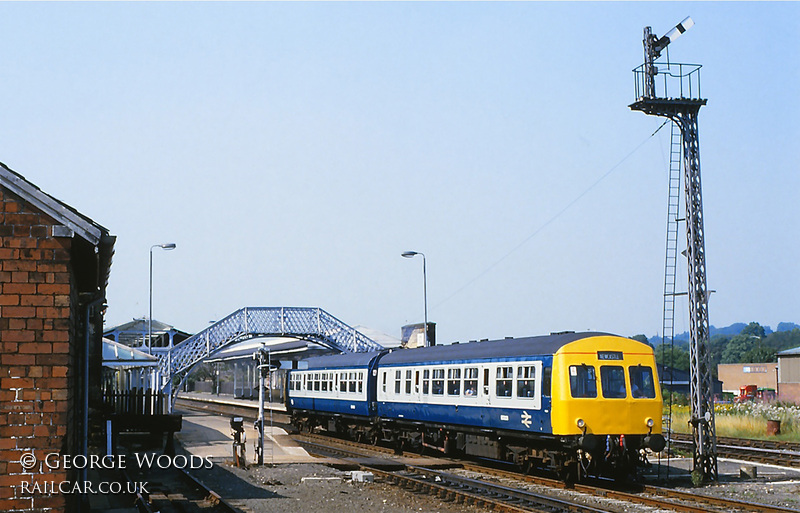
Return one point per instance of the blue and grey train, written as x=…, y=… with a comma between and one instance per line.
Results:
x=577, y=403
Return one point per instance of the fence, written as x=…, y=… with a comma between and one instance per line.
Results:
x=136, y=401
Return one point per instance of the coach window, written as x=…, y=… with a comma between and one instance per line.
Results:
x=416, y=382
x=505, y=381
x=612, y=379
x=471, y=381
x=408, y=381
x=486, y=382
x=343, y=382
x=360, y=382
x=324, y=381
x=351, y=386
x=547, y=379
x=384, y=381
x=437, y=385
x=316, y=381
x=330, y=381
x=642, y=383
x=582, y=381
x=426, y=381
x=453, y=381
x=397, y=376
x=526, y=381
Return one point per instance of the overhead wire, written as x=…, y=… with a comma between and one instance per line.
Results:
x=549, y=221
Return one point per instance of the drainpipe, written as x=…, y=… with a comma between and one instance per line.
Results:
x=84, y=502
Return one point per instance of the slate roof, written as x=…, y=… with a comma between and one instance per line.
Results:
x=72, y=222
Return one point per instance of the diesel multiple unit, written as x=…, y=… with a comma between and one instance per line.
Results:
x=578, y=403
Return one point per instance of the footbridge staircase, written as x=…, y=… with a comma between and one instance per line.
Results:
x=310, y=324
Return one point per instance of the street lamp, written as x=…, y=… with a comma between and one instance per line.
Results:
x=168, y=246
x=412, y=254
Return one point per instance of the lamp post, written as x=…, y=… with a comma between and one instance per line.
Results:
x=412, y=254
x=168, y=246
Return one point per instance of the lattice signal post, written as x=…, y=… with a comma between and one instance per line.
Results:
x=672, y=91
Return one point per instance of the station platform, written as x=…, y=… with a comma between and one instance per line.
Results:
x=228, y=399
x=209, y=435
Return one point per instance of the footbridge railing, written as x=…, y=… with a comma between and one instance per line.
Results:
x=311, y=324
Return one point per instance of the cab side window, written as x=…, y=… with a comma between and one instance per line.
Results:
x=582, y=381
x=612, y=378
x=547, y=375
x=642, y=382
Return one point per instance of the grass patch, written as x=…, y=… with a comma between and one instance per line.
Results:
x=747, y=420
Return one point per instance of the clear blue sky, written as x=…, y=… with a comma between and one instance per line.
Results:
x=292, y=151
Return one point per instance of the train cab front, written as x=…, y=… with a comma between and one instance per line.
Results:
x=607, y=404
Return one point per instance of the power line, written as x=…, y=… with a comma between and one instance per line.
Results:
x=548, y=222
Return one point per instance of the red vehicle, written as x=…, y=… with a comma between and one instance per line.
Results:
x=747, y=393
x=754, y=393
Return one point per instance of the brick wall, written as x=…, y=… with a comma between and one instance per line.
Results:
x=735, y=375
x=37, y=360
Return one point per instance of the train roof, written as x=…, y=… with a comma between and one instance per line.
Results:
x=341, y=361
x=505, y=348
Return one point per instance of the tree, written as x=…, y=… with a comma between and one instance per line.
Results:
x=716, y=347
x=761, y=354
x=675, y=357
x=782, y=340
x=753, y=329
x=641, y=338
x=739, y=346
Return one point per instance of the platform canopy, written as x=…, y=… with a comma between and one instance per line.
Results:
x=120, y=356
x=281, y=348
x=287, y=348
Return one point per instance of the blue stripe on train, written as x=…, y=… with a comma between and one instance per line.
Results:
x=517, y=419
x=340, y=406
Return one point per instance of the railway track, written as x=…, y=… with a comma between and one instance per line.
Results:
x=462, y=482
x=774, y=452
x=176, y=490
x=513, y=492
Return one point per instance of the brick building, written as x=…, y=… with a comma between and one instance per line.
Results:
x=54, y=267
x=736, y=375
x=789, y=374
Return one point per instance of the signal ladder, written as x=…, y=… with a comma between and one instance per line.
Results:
x=671, y=264
x=671, y=260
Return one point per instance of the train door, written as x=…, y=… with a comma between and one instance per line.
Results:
x=486, y=397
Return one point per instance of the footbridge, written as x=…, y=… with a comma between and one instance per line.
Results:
x=310, y=324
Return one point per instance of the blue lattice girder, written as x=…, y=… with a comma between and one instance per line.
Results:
x=312, y=324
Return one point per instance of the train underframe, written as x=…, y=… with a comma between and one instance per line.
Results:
x=572, y=458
